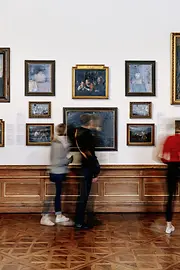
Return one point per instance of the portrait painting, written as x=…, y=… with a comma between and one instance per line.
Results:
x=140, y=134
x=177, y=126
x=4, y=75
x=140, y=109
x=140, y=78
x=2, y=135
x=39, y=78
x=39, y=134
x=175, y=68
x=104, y=130
x=90, y=82
x=39, y=109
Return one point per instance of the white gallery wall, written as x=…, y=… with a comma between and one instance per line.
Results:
x=87, y=32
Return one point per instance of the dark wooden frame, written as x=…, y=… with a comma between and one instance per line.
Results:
x=94, y=109
x=90, y=67
x=141, y=143
x=6, y=74
x=3, y=133
x=50, y=62
x=139, y=103
x=40, y=116
x=127, y=63
x=38, y=124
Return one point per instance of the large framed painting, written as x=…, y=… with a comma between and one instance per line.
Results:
x=39, y=109
x=106, y=126
x=39, y=134
x=175, y=68
x=39, y=78
x=2, y=131
x=140, y=109
x=140, y=78
x=140, y=134
x=90, y=82
x=4, y=74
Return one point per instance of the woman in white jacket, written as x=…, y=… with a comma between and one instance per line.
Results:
x=58, y=172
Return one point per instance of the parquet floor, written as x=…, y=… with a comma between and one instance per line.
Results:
x=122, y=242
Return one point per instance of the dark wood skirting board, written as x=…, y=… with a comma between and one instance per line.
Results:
x=121, y=188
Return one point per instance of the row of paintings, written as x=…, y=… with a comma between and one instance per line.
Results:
x=42, y=109
x=92, y=81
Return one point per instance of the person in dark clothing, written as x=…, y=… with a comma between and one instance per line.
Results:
x=89, y=164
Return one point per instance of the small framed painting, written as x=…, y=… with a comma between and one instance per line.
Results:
x=140, y=78
x=39, y=134
x=90, y=82
x=2, y=130
x=177, y=126
x=4, y=75
x=140, y=134
x=140, y=110
x=40, y=109
x=39, y=78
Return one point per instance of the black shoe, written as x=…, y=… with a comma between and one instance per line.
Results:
x=83, y=226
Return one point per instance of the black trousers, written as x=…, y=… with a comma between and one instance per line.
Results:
x=85, y=189
x=172, y=181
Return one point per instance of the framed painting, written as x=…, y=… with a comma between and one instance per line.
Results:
x=140, y=78
x=105, y=130
x=2, y=131
x=177, y=126
x=41, y=109
x=140, y=134
x=4, y=74
x=175, y=68
x=90, y=82
x=39, y=78
x=140, y=110
x=39, y=134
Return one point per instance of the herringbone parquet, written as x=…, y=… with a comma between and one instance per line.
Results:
x=122, y=242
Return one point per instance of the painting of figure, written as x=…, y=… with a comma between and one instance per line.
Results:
x=140, y=134
x=39, y=134
x=39, y=78
x=105, y=130
x=140, y=78
x=90, y=82
x=39, y=109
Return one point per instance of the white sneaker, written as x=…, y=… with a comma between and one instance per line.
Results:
x=61, y=218
x=46, y=221
x=170, y=229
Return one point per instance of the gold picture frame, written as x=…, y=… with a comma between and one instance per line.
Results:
x=39, y=134
x=142, y=110
x=90, y=82
x=36, y=109
x=175, y=81
x=140, y=134
x=2, y=133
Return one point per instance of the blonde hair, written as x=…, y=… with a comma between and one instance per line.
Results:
x=60, y=129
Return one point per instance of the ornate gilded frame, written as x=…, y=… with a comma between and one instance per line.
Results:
x=28, y=143
x=174, y=41
x=130, y=143
x=2, y=130
x=93, y=68
x=149, y=116
x=39, y=115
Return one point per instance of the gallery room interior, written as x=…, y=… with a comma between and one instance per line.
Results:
x=117, y=61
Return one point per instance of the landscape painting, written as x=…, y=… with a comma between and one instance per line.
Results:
x=140, y=134
x=39, y=134
x=106, y=126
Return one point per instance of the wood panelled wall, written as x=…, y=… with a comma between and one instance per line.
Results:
x=119, y=189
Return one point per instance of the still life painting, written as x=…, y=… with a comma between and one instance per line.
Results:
x=39, y=78
x=106, y=126
x=140, y=134
x=140, y=78
x=90, y=82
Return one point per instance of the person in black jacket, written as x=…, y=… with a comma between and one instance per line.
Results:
x=85, y=142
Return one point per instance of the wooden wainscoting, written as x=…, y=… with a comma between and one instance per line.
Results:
x=119, y=189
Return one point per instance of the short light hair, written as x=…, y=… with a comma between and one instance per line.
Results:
x=60, y=129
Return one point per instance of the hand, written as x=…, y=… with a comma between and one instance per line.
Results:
x=95, y=180
x=71, y=159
